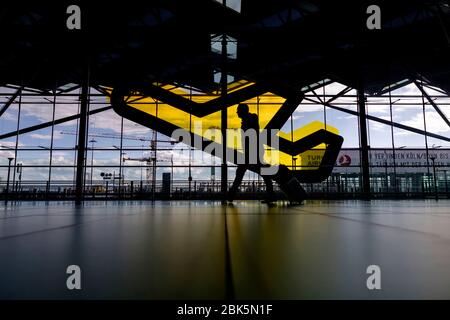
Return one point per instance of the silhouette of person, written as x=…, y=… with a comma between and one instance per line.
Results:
x=250, y=121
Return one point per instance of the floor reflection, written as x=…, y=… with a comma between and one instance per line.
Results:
x=203, y=250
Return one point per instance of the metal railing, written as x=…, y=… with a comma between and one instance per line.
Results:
x=337, y=186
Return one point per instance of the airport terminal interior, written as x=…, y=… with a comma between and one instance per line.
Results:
x=93, y=171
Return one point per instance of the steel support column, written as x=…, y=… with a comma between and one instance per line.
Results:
x=224, y=118
x=365, y=183
x=81, y=148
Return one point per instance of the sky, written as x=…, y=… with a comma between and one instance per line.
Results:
x=35, y=110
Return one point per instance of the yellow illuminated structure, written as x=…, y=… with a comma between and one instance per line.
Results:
x=147, y=109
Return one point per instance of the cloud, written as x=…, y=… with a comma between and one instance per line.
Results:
x=110, y=120
x=434, y=122
x=302, y=108
x=378, y=126
x=10, y=115
x=44, y=112
x=10, y=144
x=56, y=135
x=4, y=155
x=41, y=136
x=107, y=120
x=334, y=88
x=351, y=117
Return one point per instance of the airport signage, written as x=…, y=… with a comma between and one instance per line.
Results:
x=405, y=160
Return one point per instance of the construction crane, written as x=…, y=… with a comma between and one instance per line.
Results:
x=150, y=171
x=150, y=161
x=124, y=137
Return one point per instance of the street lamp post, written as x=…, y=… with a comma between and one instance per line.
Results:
x=19, y=171
x=432, y=158
x=7, y=180
x=92, y=157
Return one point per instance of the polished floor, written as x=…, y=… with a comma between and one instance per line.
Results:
x=203, y=250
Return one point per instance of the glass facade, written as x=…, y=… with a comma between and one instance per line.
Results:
x=408, y=138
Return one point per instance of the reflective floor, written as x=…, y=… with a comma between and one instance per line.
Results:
x=203, y=250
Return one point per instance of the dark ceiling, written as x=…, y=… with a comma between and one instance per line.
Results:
x=290, y=41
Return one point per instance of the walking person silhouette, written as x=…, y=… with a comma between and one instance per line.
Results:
x=250, y=121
